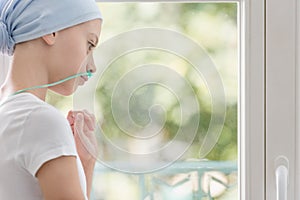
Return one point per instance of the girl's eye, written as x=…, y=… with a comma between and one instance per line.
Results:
x=91, y=46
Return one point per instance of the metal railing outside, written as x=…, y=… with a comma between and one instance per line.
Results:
x=202, y=176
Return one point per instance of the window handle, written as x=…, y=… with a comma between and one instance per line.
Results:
x=281, y=182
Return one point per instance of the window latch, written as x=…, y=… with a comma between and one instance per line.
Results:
x=282, y=174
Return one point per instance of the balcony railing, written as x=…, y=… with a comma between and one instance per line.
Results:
x=189, y=180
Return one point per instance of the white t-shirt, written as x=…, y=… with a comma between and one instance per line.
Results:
x=31, y=133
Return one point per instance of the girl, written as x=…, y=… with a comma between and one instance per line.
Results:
x=42, y=156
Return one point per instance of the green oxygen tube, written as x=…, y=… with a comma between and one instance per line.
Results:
x=88, y=74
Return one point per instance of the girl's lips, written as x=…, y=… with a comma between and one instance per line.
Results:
x=85, y=78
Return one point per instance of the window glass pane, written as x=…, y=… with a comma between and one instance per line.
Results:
x=166, y=101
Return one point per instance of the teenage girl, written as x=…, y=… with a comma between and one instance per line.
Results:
x=42, y=153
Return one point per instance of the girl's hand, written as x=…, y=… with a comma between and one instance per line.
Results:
x=83, y=125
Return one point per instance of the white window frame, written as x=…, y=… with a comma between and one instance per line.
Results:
x=252, y=112
x=252, y=97
x=281, y=95
x=297, y=160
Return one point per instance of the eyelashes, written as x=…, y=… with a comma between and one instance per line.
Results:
x=91, y=46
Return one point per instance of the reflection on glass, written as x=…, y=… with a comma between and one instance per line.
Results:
x=140, y=96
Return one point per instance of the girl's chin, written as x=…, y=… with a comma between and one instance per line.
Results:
x=69, y=88
x=65, y=91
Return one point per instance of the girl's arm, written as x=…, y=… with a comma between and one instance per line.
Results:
x=83, y=125
x=59, y=179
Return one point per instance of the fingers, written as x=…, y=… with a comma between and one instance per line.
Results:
x=89, y=119
x=79, y=122
x=84, y=126
x=70, y=117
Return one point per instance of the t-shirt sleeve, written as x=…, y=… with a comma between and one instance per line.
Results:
x=46, y=135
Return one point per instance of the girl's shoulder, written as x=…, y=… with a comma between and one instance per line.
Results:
x=27, y=103
x=28, y=111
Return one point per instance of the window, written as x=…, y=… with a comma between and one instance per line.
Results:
x=254, y=47
x=282, y=121
x=136, y=61
x=168, y=95
x=134, y=56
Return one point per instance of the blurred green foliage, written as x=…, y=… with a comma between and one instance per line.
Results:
x=213, y=26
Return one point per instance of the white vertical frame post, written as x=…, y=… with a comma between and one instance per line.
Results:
x=252, y=112
x=280, y=95
x=297, y=170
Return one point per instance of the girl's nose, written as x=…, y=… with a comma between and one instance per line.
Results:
x=91, y=64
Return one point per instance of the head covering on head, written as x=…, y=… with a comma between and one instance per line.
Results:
x=24, y=20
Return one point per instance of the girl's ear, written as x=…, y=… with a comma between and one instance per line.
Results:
x=50, y=38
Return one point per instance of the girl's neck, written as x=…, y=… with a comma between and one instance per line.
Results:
x=25, y=71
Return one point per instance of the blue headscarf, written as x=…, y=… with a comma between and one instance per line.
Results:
x=24, y=20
